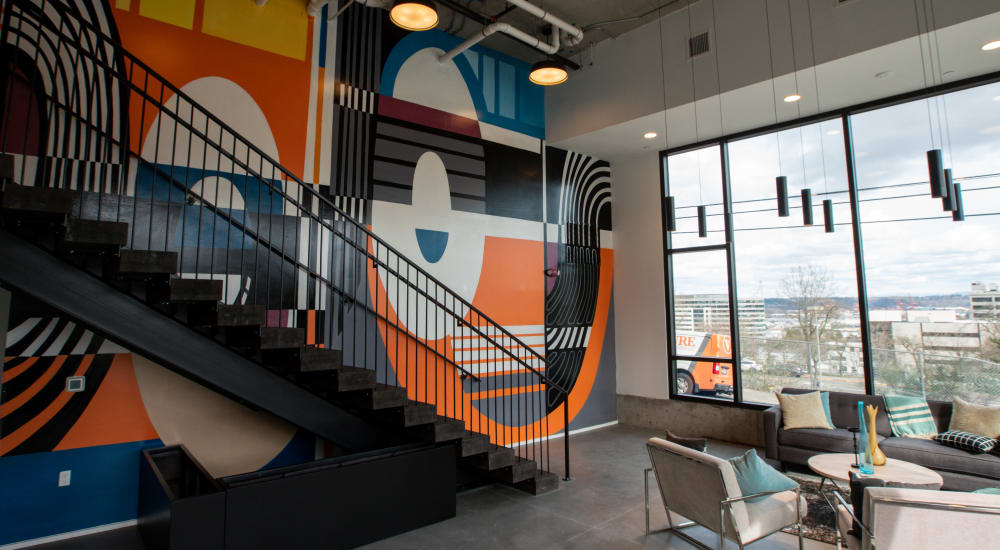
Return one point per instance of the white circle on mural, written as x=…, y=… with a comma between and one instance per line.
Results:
x=446, y=243
x=424, y=80
x=218, y=192
x=169, y=143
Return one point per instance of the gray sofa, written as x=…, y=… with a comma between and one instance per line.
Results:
x=961, y=470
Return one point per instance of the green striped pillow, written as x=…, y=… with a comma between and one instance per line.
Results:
x=910, y=417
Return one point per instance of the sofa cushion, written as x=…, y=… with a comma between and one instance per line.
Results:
x=844, y=409
x=807, y=410
x=932, y=454
x=837, y=440
x=973, y=443
x=977, y=419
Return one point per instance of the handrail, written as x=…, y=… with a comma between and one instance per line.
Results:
x=280, y=243
x=286, y=173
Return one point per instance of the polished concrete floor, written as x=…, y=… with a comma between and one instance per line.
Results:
x=601, y=508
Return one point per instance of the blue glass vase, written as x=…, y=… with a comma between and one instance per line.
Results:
x=865, y=463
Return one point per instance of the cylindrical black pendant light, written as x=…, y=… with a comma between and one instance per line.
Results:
x=935, y=168
x=807, y=207
x=947, y=204
x=702, y=222
x=828, y=215
x=958, y=212
x=668, y=208
x=781, y=182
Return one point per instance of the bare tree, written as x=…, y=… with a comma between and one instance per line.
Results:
x=810, y=288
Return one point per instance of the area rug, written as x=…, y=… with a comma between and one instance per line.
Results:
x=820, y=522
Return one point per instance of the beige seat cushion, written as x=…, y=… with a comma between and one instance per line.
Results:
x=977, y=419
x=844, y=524
x=803, y=411
x=771, y=514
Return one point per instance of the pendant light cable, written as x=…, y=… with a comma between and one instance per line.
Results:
x=923, y=68
x=774, y=92
x=718, y=71
x=694, y=103
x=946, y=129
x=812, y=45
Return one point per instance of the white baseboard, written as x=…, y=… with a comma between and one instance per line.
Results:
x=71, y=534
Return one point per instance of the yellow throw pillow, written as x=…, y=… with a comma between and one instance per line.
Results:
x=976, y=419
x=803, y=410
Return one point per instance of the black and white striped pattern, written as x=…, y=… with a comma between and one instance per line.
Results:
x=557, y=338
x=356, y=98
x=356, y=208
x=53, y=336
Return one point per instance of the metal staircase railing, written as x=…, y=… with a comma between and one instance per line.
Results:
x=80, y=112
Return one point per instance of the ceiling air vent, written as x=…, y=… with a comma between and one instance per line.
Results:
x=698, y=44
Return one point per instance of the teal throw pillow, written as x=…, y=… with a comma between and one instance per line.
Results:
x=825, y=397
x=756, y=476
x=910, y=417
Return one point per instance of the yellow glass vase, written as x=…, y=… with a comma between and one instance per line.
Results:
x=878, y=457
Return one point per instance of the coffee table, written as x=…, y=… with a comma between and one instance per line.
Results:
x=834, y=467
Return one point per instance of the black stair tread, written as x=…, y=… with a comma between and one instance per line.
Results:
x=413, y=413
x=521, y=470
x=442, y=429
x=474, y=443
x=272, y=338
x=38, y=200
x=7, y=166
x=540, y=483
x=495, y=458
x=240, y=315
x=344, y=379
x=314, y=359
x=131, y=262
x=95, y=233
x=382, y=396
x=195, y=290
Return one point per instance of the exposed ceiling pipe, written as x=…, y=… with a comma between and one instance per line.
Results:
x=316, y=6
x=510, y=30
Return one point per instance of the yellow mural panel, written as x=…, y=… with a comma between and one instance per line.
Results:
x=280, y=26
x=174, y=12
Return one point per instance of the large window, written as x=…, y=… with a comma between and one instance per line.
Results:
x=797, y=284
x=932, y=327
x=932, y=322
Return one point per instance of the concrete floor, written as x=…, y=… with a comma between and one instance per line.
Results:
x=601, y=508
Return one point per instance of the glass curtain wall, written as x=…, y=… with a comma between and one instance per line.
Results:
x=797, y=286
x=932, y=282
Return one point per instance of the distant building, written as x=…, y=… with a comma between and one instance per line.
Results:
x=913, y=315
x=710, y=312
x=984, y=301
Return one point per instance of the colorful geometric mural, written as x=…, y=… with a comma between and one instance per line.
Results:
x=445, y=161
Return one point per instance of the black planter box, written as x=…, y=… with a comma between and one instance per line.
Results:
x=181, y=507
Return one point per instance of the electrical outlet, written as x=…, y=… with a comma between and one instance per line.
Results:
x=64, y=477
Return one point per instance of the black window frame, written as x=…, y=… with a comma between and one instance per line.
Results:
x=844, y=114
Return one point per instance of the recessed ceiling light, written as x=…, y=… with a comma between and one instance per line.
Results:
x=882, y=74
x=991, y=45
x=792, y=98
x=833, y=132
x=649, y=135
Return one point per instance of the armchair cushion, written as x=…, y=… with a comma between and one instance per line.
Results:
x=756, y=476
x=771, y=513
x=699, y=444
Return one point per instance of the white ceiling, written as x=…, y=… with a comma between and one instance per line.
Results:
x=615, y=132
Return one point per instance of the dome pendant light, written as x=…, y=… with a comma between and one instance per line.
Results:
x=414, y=15
x=548, y=72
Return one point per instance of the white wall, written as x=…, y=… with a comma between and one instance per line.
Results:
x=640, y=323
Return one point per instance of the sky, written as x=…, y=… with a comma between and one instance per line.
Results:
x=908, y=258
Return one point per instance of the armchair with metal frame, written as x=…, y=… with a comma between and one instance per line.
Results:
x=703, y=488
x=917, y=519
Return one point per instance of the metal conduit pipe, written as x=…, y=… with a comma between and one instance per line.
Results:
x=575, y=34
x=509, y=30
x=315, y=6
